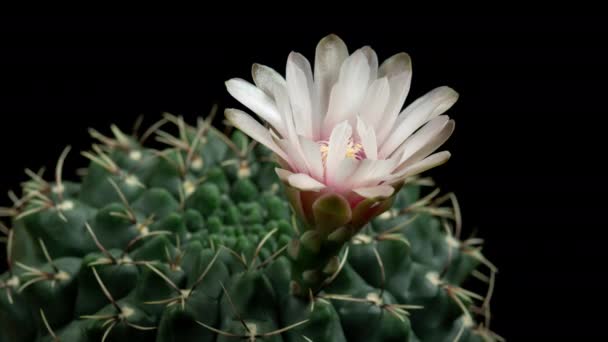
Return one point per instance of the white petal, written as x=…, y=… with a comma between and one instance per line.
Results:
x=355, y=71
x=304, y=182
x=375, y=102
x=329, y=56
x=416, y=140
x=335, y=111
x=341, y=177
x=289, y=133
x=299, y=87
x=348, y=94
x=395, y=65
x=399, y=87
x=425, y=164
x=284, y=107
x=375, y=191
x=372, y=61
x=426, y=140
x=283, y=174
x=371, y=172
x=291, y=142
x=302, y=62
x=429, y=106
x=254, y=129
x=368, y=139
x=338, y=142
x=274, y=84
x=297, y=159
x=398, y=70
x=312, y=153
x=267, y=79
x=255, y=99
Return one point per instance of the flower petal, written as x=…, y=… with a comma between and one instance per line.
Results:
x=340, y=178
x=267, y=79
x=426, y=140
x=425, y=164
x=375, y=102
x=429, y=106
x=291, y=142
x=283, y=174
x=256, y=100
x=371, y=172
x=372, y=61
x=297, y=160
x=399, y=87
x=377, y=191
x=416, y=140
x=395, y=65
x=368, y=139
x=347, y=95
x=254, y=129
x=299, y=89
x=303, y=64
x=304, y=182
x=398, y=70
x=312, y=153
x=338, y=142
x=329, y=56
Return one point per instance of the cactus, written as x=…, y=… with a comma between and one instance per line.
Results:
x=193, y=242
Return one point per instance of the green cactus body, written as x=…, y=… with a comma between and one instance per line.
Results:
x=190, y=243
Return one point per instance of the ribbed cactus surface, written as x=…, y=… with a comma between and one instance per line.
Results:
x=191, y=242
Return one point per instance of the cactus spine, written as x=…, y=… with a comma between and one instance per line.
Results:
x=196, y=242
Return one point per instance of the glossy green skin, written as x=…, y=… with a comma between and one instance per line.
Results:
x=223, y=210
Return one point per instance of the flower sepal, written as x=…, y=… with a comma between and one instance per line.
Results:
x=329, y=220
x=327, y=211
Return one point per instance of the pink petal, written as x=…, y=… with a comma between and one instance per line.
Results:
x=304, y=182
x=375, y=191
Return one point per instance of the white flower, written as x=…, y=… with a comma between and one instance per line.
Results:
x=342, y=129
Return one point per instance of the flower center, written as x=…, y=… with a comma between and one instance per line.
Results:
x=353, y=150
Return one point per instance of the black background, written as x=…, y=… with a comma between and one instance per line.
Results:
x=527, y=155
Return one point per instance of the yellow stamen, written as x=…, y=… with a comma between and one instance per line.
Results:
x=353, y=150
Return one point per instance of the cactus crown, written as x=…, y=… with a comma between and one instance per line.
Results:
x=195, y=242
